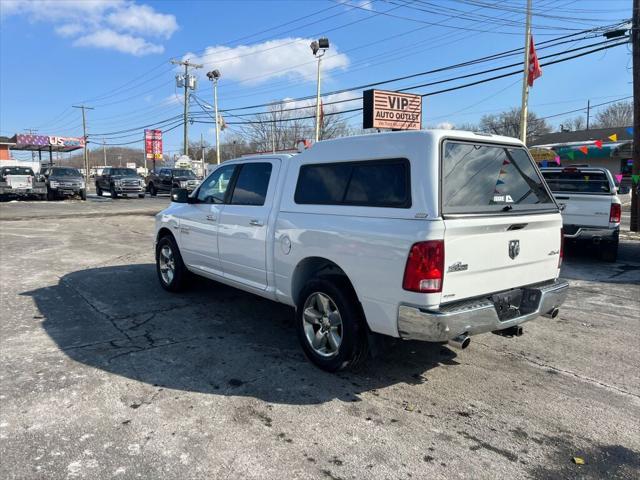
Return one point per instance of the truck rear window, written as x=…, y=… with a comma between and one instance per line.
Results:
x=374, y=183
x=576, y=181
x=482, y=178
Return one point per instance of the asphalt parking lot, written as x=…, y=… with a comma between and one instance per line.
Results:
x=105, y=375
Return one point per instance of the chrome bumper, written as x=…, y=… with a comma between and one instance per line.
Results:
x=475, y=316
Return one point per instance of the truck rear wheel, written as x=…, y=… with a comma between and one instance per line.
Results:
x=330, y=324
x=172, y=273
x=83, y=194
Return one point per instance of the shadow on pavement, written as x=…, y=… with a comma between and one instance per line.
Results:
x=582, y=262
x=211, y=339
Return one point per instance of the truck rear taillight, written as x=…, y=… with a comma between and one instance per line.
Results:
x=615, y=213
x=425, y=267
x=561, y=248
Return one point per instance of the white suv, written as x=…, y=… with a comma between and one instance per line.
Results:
x=430, y=235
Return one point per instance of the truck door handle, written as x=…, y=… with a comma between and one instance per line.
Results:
x=562, y=198
x=211, y=218
x=256, y=223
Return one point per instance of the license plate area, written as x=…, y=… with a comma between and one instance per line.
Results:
x=507, y=304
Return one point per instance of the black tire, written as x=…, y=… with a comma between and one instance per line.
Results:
x=114, y=194
x=609, y=252
x=141, y=195
x=99, y=191
x=42, y=196
x=51, y=196
x=180, y=278
x=353, y=348
x=152, y=190
x=83, y=194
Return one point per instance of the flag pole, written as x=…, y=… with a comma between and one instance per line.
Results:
x=525, y=77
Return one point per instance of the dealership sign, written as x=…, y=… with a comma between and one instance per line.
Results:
x=153, y=144
x=397, y=111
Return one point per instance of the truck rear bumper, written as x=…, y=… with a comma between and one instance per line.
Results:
x=573, y=232
x=476, y=316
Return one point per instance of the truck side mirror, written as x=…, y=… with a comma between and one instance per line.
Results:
x=179, y=195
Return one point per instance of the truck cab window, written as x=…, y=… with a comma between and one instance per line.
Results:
x=252, y=184
x=213, y=189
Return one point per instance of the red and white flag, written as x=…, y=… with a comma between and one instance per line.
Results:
x=534, y=65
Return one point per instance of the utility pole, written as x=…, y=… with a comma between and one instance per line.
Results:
x=525, y=77
x=32, y=131
x=188, y=82
x=84, y=134
x=635, y=168
x=588, y=112
x=104, y=153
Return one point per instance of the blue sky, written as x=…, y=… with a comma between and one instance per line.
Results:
x=114, y=55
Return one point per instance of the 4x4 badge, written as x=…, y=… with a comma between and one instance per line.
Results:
x=514, y=248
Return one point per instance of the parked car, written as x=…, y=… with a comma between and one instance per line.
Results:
x=120, y=181
x=169, y=178
x=592, y=209
x=20, y=182
x=429, y=235
x=64, y=182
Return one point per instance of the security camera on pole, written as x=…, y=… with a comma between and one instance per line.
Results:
x=214, y=76
x=319, y=48
x=187, y=82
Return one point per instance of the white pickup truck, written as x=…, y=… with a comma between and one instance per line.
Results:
x=431, y=235
x=591, y=208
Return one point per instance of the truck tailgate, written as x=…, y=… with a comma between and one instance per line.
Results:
x=585, y=210
x=486, y=255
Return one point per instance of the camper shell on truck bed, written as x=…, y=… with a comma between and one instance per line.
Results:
x=433, y=235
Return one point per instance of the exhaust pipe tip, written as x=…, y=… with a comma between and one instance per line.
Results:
x=460, y=342
x=553, y=313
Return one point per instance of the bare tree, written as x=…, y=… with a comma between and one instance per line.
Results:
x=573, y=124
x=281, y=127
x=508, y=123
x=619, y=114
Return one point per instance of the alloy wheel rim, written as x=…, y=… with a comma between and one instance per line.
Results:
x=167, y=264
x=322, y=324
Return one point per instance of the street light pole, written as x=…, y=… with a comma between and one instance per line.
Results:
x=214, y=76
x=319, y=48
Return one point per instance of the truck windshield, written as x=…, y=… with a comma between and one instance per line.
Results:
x=16, y=171
x=576, y=181
x=482, y=178
x=184, y=173
x=123, y=171
x=65, y=172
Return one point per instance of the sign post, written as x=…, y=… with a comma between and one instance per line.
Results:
x=153, y=145
x=393, y=110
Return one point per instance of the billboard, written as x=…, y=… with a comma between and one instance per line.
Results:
x=153, y=144
x=397, y=111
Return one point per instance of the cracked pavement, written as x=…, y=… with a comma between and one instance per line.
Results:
x=105, y=375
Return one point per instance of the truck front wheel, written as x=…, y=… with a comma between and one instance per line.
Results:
x=172, y=273
x=98, y=190
x=330, y=324
x=152, y=190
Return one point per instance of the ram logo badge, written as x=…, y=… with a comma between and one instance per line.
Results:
x=514, y=248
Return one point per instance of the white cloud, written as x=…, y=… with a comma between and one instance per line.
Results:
x=446, y=126
x=254, y=64
x=121, y=25
x=121, y=42
x=142, y=18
